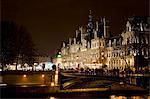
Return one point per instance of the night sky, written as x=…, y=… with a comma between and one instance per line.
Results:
x=53, y=21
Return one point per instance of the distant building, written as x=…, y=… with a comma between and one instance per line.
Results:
x=93, y=46
x=40, y=59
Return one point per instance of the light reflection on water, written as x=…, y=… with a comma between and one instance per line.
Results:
x=52, y=98
x=111, y=97
x=117, y=97
x=129, y=97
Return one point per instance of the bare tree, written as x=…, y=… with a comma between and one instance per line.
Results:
x=17, y=44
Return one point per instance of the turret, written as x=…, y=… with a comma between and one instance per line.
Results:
x=141, y=26
x=74, y=39
x=95, y=34
x=128, y=26
x=109, y=43
x=88, y=44
x=77, y=32
x=90, y=27
x=69, y=41
x=63, y=44
x=97, y=26
x=81, y=29
x=115, y=42
x=104, y=21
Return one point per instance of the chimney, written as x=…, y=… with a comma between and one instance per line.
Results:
x=96, y=25
x=115, y=43
x=109, y=43
x=69, y=41
x=74, y=40
x=95, y=34
x=104, y=21
x=81, y=29
x=88, y=44
x=128, y=26
x=63, y=44
x=77, y=32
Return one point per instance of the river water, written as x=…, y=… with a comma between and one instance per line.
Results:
x=103, y=97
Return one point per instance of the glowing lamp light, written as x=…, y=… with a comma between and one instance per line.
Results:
x=102, y=53
x=24, y=76
x=52, y=98
x=43, y=75
x=35, y=64
x=52, y=84
x=19, y=64
x=58, y=56
x=134, y=54
x=112, y=97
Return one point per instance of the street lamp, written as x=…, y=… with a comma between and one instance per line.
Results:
x=24, y=76
x=102, y=53
x=134, y=54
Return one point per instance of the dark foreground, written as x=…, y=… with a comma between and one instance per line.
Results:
x=41, y=92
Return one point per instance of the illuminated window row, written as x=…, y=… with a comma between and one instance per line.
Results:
x=26, y=75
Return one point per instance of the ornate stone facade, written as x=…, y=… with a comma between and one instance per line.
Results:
x=92, y=48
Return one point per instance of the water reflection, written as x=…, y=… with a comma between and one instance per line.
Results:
x=129, y=97
x=111, y=97
x=117, y=97
x=52, y=98
x=139, y=81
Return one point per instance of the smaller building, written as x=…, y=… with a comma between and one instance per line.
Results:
x=40, y=59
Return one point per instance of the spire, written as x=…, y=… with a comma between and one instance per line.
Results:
x=90, y=11
x=81, y=29
x=90, y=26
x=104, y=21
x=97, y=26
x=74, y=40
x=141, y=26
x=77, y=32
x=109, y=43
x=128, y=26
x=63, y=44
x=69, y=41
x=88, y=44
x=95, y=34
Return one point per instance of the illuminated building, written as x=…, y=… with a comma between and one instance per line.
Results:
x=93, y=46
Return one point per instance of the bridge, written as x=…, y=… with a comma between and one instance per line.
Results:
x=79, y=82
x=48, y=82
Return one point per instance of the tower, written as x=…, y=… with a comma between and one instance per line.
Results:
x=78, y=36
x=104, y=21
x=70, y=41
x=64, y=44
x=90, y=27
x=95, y=34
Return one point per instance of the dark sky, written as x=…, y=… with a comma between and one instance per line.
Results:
x=53, y=21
